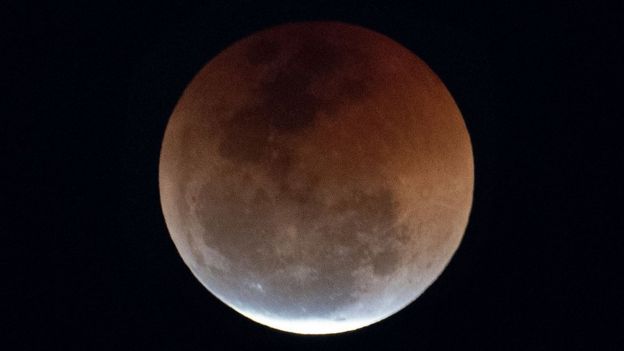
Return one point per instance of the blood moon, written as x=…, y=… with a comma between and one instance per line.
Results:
x=316, y=177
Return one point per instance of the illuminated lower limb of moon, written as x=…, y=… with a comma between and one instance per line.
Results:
x=316, y=177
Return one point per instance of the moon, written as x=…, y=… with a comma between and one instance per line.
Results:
x=316, y=177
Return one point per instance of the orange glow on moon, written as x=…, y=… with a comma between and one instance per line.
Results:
x=316, y=177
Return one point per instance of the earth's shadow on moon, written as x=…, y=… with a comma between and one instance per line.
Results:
x=254, y=148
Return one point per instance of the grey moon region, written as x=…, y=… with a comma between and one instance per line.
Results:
x=316, y=177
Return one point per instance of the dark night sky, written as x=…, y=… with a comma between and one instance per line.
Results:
x=537, y=84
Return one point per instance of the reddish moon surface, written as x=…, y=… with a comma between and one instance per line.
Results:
x=316, y=177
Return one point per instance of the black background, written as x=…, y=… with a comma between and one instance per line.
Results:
x=540, y=86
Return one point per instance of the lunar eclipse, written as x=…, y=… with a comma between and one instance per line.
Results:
x=316, y=177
